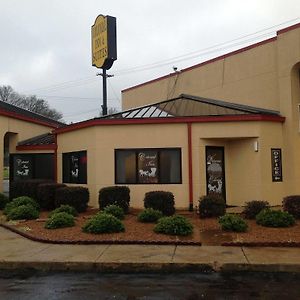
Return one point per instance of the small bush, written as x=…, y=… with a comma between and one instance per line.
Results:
x=211, y=206
x=66, y=209
x=150, y=215
x=174, y=225
x=115, y=195
x=25, y=188
x=78, y=197
x=114, y=210
x=291, y=204
x=160, y=200
x=3, y=201
x=230, y=222
x=274, y=218
x=24, y=200
x=103, y=223
x=46, y=194
x=21, y=212
x=60, y=220
x=254, y=207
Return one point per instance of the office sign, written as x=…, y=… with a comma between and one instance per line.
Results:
x=104, y=42
x=276, y=165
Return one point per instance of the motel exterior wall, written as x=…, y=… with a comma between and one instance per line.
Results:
x=248, y=173
x=19, y=130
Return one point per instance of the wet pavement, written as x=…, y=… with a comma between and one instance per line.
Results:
x=149, y=286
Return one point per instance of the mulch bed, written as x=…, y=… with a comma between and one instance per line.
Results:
x=206, y=232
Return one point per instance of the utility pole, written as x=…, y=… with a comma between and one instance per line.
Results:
x=104, y=77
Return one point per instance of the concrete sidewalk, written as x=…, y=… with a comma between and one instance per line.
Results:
x=17, y=252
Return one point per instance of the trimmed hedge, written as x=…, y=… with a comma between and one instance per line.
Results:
x=291, y=204
x=25, y=188
x=254, y=207
x=103, y=223
x=160, y=200
x=149, y=215
x=78, y=197
x=231, y=222
x=66, y=209
x=20, y=201
x=21, y=212
x=114, y=210
x=174, y=225
x=60, y=220
x=114, y=195
x=275, y=218
x=46, y=194
x=3, y=201
x=211, y=206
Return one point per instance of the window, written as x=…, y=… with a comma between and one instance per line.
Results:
x=75, y=167
x=148, y=166
x=31, y=166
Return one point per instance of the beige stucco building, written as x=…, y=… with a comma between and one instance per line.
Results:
x=228, y=126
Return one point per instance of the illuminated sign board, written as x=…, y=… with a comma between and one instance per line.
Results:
x=104, y=42
x=276, y=165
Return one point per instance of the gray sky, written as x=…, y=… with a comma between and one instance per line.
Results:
x=46, y=44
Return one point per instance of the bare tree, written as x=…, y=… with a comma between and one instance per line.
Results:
x=31, y=103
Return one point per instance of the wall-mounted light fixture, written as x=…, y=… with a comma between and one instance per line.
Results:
x=255, y=146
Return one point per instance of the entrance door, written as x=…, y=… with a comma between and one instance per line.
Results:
x=215, y=171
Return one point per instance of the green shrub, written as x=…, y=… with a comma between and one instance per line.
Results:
x=24, y=200
x=3, y=201
x=254, y=207
x=150, y=215
x=60, y=220
x=160, y=200
x=114, y=210
x=46, y=194
x=174, y=225
x=26, y=187
x=211, y=206
x=230, y=222
x=103, y=223
x=291, y=204
x=115, y=195
x=66, y=209
x=76, y=196
x=274, y=218
x=21, y=212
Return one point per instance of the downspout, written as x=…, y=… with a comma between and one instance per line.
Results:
x=190, y=166
x=55, y=158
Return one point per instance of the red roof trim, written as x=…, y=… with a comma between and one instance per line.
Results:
x=292, y=27
x=205, y=62
x=295, y=26
x=204, y=119
x=36, y=147
x=27, y=119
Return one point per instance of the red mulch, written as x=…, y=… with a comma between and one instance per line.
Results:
x=206, y=232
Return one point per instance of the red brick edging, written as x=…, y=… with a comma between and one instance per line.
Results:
x=261, y=244
x=92, y=242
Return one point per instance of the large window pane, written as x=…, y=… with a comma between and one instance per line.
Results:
x=75, y=167
x=125, y=166
x=170, y=166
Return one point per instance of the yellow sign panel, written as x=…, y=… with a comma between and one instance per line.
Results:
x=99, y=41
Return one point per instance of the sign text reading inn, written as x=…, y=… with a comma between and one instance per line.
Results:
x=104, y=50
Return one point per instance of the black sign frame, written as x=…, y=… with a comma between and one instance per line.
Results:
x=276, y=163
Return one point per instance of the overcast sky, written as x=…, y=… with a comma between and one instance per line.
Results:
x=46, y=44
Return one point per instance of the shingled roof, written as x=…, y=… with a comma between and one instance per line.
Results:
x=43, y=139
x=17, y=112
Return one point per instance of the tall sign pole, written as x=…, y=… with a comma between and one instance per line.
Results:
x=104, y=49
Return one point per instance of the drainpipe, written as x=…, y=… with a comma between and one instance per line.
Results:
x=55, y=158
x=190, y=166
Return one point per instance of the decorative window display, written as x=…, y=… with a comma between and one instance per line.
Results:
x=75, y=167
x=276, y=165
x=148, y=166
x=31, y=166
